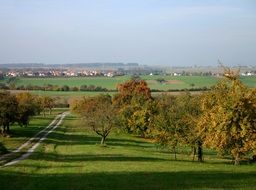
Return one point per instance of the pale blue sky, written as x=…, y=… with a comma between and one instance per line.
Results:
x=152, y=32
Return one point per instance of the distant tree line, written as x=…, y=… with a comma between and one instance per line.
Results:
x=91, y=88
x=223, y=118
x=50, y=87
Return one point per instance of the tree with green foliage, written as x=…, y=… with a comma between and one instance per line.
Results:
x=165, y=126
x=8, y=110
x=28, y=105
x=190, y=111
x=98, y=113
x=175, y=122
x=64, y=88
x=228, y=121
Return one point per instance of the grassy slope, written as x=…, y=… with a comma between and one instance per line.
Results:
x=71, y=159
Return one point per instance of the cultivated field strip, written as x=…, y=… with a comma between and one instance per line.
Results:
x=28, y=147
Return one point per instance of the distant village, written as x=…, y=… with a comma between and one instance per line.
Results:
x=109, y=70
x=58, y=73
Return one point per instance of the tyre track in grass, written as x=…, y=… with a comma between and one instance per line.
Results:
x=33, y=142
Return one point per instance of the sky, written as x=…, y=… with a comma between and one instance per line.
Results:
x=148, y=32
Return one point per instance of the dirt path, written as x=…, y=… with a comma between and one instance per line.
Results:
x=34, y=141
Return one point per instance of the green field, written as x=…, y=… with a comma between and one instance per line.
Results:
x=178, y=82
x=106, y=82
x=71, y=158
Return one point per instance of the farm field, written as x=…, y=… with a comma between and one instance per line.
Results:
x=171, y=82
x=71, y=158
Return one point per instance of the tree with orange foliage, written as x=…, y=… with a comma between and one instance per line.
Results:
x=132, y=89
x=134, y=101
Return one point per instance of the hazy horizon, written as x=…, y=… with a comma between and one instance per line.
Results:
x=148, y=32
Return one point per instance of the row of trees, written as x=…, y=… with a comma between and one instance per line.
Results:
x=21, y=107
x=223, y=118
x=50, y=87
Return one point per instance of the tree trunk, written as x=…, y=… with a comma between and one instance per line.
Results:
x=237, y=159
x=4, y=129
x=175, y=155
x=194, y=152
x=254, y=158
x=199, y=151
x=8, y=128
x=103, y=139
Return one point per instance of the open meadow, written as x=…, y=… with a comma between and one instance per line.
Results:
x=71, y=158
x=168, y=82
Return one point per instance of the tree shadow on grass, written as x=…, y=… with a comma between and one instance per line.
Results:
x=77, y=139
x=93, y=158
x=27, y=132
x=3, y=149
x=129, y=180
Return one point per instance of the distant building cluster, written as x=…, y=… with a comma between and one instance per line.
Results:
x=71, y=70
x=58, y=73
x=111, y=70
x=248, y=73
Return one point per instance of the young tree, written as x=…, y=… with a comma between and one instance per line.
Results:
x=98, y=113
x=47, y=103
x=229, y=120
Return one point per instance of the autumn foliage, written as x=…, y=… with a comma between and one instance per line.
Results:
x=228, y=121
x=132, y=89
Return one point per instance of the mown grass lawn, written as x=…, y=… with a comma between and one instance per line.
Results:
x=71, y=158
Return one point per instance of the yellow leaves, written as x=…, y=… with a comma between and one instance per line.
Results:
x=229, y=112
